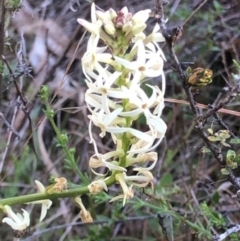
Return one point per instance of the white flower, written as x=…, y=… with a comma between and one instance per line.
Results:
x=98, y=186
x=110, y=123
x=148, y=64
x=106, y=122
x=98, y=160
x=95, y=26
x=95, y=102
x=115, y=97
x=155, y=36
x=142, y=103
x=46, y=204
x=106, y=18
x=127, y=191
x=141, y=16
x=142, y=179
x=104, y=88
x=138, y=21
x=144, y=145
x=85, y=215
x=16, y=220
x=92, y=57
x=141, y=158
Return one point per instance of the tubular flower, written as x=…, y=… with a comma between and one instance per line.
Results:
x=85, y=215
x=127, y=191
x=115, y=73
x=97, y=186
x=16, y=220
x=59, y=185
x=93, y=27
x=46, y=204
x=100, y=161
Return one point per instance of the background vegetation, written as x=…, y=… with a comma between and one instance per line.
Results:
x=194, y=197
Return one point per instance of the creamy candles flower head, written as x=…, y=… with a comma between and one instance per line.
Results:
x=115, y=69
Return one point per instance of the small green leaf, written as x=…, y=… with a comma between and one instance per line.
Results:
x=237, y=159
x=225, y=144
x=214, y=138
x=231, y=155
x=224, y=171
x=235, y=140
x=188, y=71
x=236, y=64
x=216, y=197
x=224, y=134
x=166, y=180
x=210, y=131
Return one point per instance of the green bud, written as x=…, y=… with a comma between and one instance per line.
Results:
x=63, y=139
x=49, y=113
x=44, y=92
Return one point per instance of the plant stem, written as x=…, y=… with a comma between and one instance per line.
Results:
x=42, y=196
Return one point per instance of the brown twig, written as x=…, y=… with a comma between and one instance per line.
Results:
x=202, y=106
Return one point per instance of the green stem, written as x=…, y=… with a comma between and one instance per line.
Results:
x=66, y=150
x=42, y=196
x=58, y=133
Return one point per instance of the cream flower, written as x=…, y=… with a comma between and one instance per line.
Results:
x=127, y=191
x=141, y=16
x=84, y=214
x=115, y=98
x=141, y=158
x=106, y=122
x=106, y=18
x=95, y=26
x=16, y=220
x=143, y=178
x=141, y=103
x=155, y=36
x=103, y=86
x=97, y=186
x=101, y=161
x=46, y=204
x=148, y=64
x=92, y=57
x=107, y=15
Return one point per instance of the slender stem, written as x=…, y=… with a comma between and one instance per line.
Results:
x=42, y=196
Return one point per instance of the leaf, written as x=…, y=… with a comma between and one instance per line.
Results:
x=216, y=197
x=188, y=71
x=210, y=131
x=217, y=6
x=225, y=144
x=224, y=171
x=214, y=138
x=236, y=64
x=166, y=180
x=224, y=134
x=231, y=155
x=234, y=165
x=235, y=140
x=237, y=159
